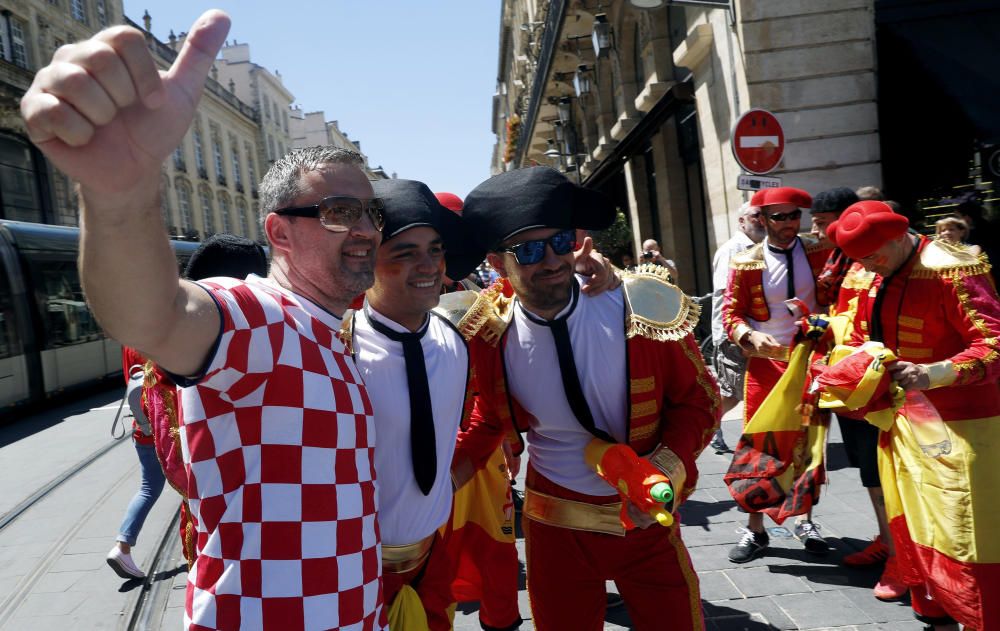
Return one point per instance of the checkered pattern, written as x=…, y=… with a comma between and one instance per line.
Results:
x=278, y=439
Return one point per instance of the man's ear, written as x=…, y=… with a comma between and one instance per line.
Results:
x=496, y=261
x=278, y=231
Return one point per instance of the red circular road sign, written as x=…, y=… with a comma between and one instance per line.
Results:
x=758, y=141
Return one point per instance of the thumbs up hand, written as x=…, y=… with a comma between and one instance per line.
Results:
x=104, y=114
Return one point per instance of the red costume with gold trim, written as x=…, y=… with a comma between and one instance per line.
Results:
x=776, y=468
x=940, y=309
x=673, y=411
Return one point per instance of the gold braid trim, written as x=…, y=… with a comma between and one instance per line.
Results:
x=344, y=334
x=812, y=244
x=169, y=399
x=943, y=260
x=749, y=259
x=708, y=387
x=489, y=315
x=973, y=370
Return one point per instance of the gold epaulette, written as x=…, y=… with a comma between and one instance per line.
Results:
x=485, y=314
x=749, y=259
x=812, y=244
x=657, y=309
x=939, y=259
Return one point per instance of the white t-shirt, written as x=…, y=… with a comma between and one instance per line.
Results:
x=782, y=324
x=556, y=439
x=406, y=515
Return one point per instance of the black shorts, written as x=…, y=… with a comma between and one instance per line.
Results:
x=861, y=445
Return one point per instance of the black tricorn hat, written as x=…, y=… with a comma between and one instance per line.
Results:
x=410, y=204
x=228, y=255
x=535, y=197
x=834, y=200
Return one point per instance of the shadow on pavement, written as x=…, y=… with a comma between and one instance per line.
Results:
x=721, y=618
x=695, y=512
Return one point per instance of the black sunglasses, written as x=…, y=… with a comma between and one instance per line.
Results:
x=776, y=217
x=532, y=252
x=340, y=214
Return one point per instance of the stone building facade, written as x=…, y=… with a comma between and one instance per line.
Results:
x=311, y=129
x=647, y=116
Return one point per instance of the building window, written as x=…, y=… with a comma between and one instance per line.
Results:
x=237, y=169
x=267, y=108
x=208, y=212
x=284, y=120
x=227, y=220
x=15, y=50
x=270, y=148
x=79, y=11
x=275, y=106
x=220, y=167
x=184, y=206
x=199, y=154
x=179, y=164
x=18, y=181
x=241, y=211
x=165, y=202
x=251, y=171
x=102, y=13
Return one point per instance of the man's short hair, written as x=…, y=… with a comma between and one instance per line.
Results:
x=282, y=182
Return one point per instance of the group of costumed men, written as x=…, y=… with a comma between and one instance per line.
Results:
x=898, y=335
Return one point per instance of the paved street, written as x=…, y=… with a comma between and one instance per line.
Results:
x=54, y=576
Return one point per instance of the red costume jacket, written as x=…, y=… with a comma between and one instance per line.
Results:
x=674, y=401
x=744, y=298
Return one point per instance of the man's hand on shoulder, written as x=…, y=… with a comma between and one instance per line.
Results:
x=599, y=270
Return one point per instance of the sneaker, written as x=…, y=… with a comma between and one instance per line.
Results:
x=123, y=565
x=719, y=445
x=751, y=546
x=808, y=533
x=876, y=552
x=889, y=587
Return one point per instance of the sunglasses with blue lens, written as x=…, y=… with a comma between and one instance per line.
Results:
x=532, y=252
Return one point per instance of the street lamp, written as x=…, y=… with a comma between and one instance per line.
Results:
x=565, y=108
x=581, y=80
x=601, y=35
x=648, y=4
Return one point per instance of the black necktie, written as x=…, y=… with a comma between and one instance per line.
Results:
x=789, y=259
x=567, y=367
x=423, y=447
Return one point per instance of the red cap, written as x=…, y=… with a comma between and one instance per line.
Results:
x=450, y=201
x=865, y=227
x=781, y=195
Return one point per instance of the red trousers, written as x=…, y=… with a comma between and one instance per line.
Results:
x=762, y=375
x=567, y=570
x=432, y=582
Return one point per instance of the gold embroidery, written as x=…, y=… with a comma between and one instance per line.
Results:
x=911, y=322
x=641, y=432
x=557, y=511
x=672, y=466
x=645, y=408
x=642, y=386
x=657, y=309
x=906, y=336
x=915, y=353
x=750, y=259
x=707, y=383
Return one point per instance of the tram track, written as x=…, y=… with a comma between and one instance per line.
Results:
x=151, y=600
x=14, y=513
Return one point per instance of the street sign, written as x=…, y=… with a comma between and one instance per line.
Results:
x=747, y=182
x=758, y=141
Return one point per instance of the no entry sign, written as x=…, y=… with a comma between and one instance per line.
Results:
x=758, y=142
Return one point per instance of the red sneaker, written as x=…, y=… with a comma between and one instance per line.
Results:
x=889, y=587
x=876, y=552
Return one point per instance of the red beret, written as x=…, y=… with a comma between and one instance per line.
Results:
x=781, y=195
x=865, y=227
x=450, y=201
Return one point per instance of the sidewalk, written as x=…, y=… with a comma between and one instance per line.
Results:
x=788, y=588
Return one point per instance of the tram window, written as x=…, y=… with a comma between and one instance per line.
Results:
x=9, y=343
x=65, y=315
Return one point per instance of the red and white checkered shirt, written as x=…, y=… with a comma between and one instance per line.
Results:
x=277, y=438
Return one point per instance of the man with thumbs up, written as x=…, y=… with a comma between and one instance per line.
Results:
x=275, y=422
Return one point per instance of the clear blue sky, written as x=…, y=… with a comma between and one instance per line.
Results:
x=412, y=80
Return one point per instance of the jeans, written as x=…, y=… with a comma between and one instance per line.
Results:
x=142, y=502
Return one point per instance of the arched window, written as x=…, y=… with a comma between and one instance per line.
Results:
x=241, y=212
x=224, y=210
x=184, y=206
x=208, y=211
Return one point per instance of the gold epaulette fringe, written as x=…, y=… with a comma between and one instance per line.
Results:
x=943, y=260
x=658, y=310
x=345, y=333
x=488, y=316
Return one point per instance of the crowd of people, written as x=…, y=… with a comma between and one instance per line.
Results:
x=343, y=426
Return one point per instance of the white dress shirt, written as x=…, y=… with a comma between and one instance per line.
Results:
x=782, y=324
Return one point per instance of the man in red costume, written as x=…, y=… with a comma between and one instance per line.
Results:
x=757, y=317
x=847, y=280
x=567, y=366
x=935, y=307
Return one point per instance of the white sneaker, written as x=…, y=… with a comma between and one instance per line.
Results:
x=123, y=565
